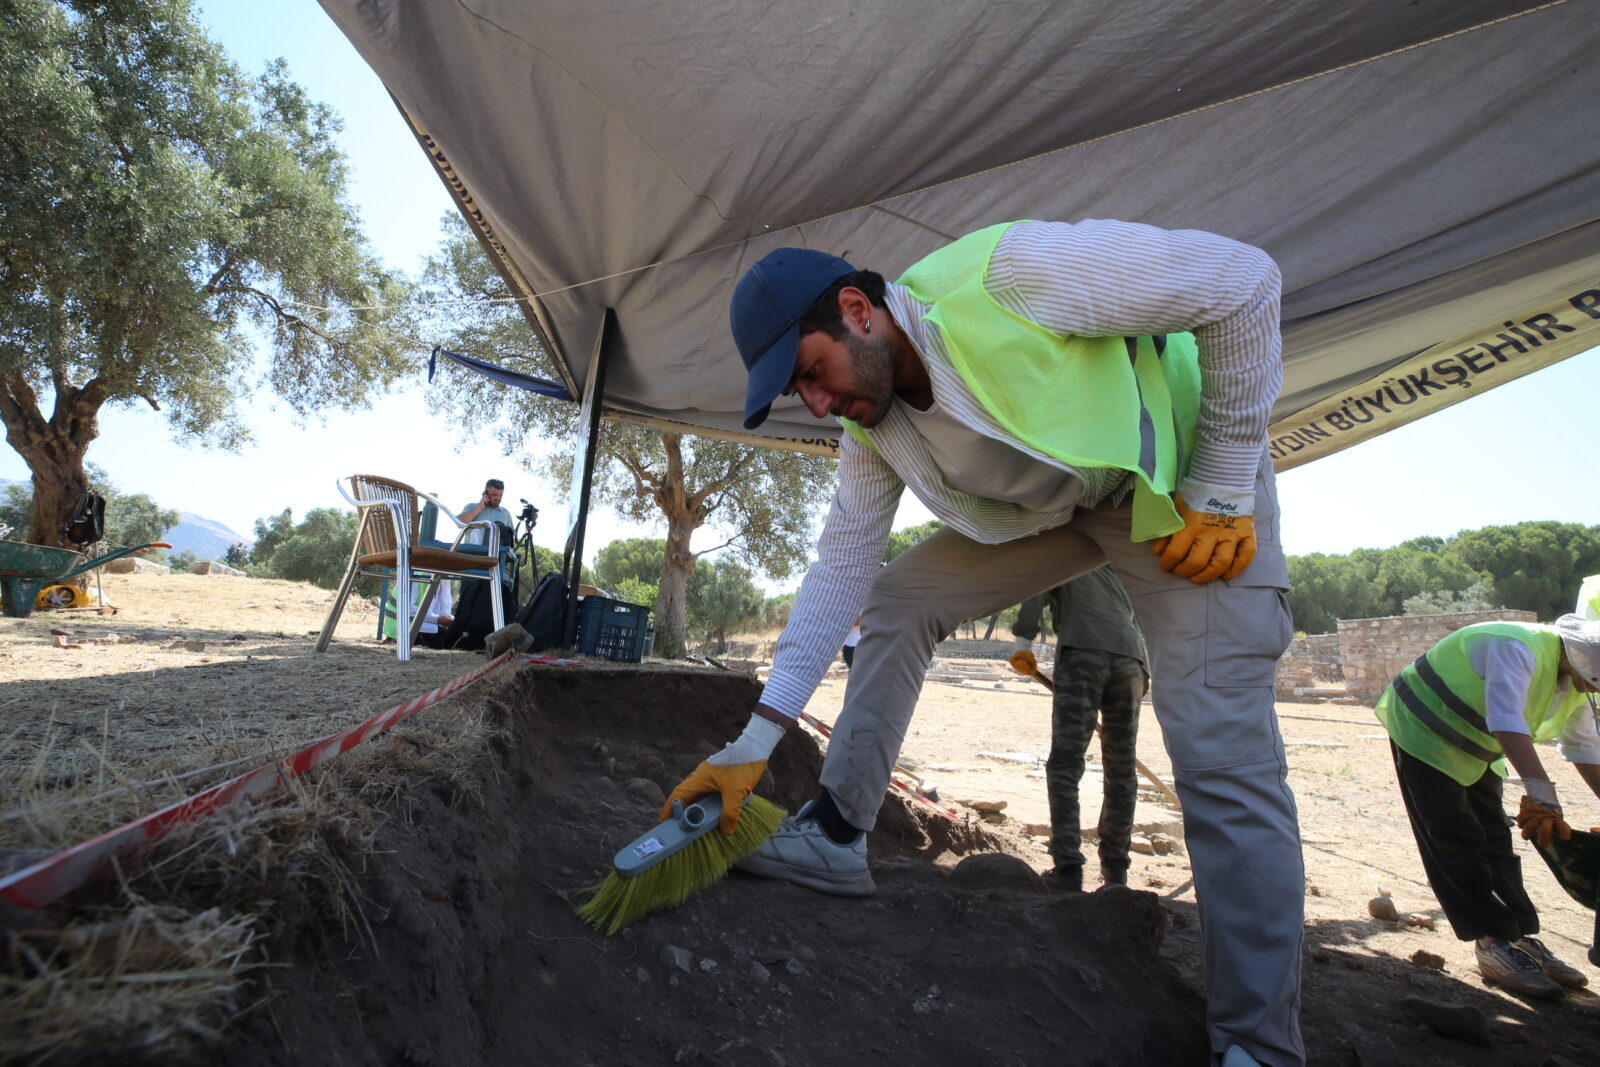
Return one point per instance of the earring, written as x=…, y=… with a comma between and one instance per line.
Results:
x=867, y=328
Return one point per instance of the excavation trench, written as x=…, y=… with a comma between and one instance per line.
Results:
x=465, y=948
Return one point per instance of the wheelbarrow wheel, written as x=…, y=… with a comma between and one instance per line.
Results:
x=62, y=596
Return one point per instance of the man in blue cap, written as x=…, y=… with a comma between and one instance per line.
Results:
x=1062, y=396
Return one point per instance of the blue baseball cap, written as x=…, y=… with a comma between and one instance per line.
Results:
x=765, y=316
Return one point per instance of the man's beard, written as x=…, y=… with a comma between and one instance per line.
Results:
x=871, y=375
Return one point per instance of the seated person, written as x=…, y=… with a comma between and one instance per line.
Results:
x=487, y=509
x=437, y=617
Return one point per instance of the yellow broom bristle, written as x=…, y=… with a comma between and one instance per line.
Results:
x=618, y=901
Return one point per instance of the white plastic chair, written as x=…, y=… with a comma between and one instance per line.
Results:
x=386, y=547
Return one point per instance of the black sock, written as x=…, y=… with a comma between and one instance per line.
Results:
x=827, y=815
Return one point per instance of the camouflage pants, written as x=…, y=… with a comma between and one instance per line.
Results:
x=1089, y=683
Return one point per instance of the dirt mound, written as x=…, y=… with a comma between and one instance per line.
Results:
x=467, y=951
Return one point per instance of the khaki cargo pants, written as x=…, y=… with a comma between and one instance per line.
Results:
x=1213, y=655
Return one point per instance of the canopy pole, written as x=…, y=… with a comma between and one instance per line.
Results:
x=585, y=450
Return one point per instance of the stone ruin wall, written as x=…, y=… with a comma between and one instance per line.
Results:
x=1308, y=662
x=1366, y=654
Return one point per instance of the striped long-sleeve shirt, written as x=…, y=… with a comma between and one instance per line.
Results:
x=1094, y=278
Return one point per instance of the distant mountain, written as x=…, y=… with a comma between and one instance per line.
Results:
x=206, y=538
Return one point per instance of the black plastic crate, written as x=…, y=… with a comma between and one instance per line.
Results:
x=612, y=629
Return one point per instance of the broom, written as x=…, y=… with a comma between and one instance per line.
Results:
x=676, y=859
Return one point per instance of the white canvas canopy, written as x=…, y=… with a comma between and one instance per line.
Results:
x=1424, y=173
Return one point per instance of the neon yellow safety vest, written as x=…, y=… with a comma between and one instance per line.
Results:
x=1123, y=402
x=1589, y=598
x=1434, y=709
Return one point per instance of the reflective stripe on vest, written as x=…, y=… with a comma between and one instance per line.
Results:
x=1425, y=715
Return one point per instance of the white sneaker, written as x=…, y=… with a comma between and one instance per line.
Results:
x=1553, y=967
x=800, y=853
x=1507, y=965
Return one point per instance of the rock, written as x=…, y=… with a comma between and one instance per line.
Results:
x=675, y=958
x=62, y=642
x=641, y=975
x=1373, y=1050
x=995, y=870
x=757, y=973
x=1420, y=920
x=1383, y=908
x=105, y=639
x=989, y=805
x=1430, y=960
x=181, y=645
x=1460, y=1021
x=992, y=817
x=1162, y=844
x=509, y=638
x=709, y=966
x=1025, y=758
x=59, y=632
x=211, y=566
x=1173, y=828
x=136, y=565
x=1142, y=845
x=891, y=865
x=778, y=955
x=645, y=789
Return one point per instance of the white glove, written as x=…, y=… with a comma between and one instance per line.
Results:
x=760, y=737
x=1022, y=644
x=1541, y=792
x=733, y=772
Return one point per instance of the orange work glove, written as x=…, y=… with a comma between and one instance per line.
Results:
x=733, y=772
x=1210, y=545
x=1540, y=824
x=1023, y=663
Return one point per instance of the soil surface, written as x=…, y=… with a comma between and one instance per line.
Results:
x=464, y=949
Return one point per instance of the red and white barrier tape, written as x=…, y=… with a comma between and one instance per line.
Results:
x=50, y=879
x=895, y=784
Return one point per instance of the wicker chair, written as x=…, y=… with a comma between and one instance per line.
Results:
x=386, y=547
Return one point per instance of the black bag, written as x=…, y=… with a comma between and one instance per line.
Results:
x=474, y=617
x=88, y=522
x=542, y=617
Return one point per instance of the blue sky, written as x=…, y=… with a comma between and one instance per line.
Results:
x=1522, y=451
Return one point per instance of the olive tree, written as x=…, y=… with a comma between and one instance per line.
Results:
x=161, y=212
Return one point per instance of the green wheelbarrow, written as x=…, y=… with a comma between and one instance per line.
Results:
x=26, y=569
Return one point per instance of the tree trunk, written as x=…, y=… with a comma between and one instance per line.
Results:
x=672, y=605
x=684, y=515
x=54, y=450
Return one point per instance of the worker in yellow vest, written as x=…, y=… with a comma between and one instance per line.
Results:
x=1481, y=697
x=1062, y=396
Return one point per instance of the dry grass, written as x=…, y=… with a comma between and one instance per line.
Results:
x=152, y=981
x=137, y=718
x=155, y=963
